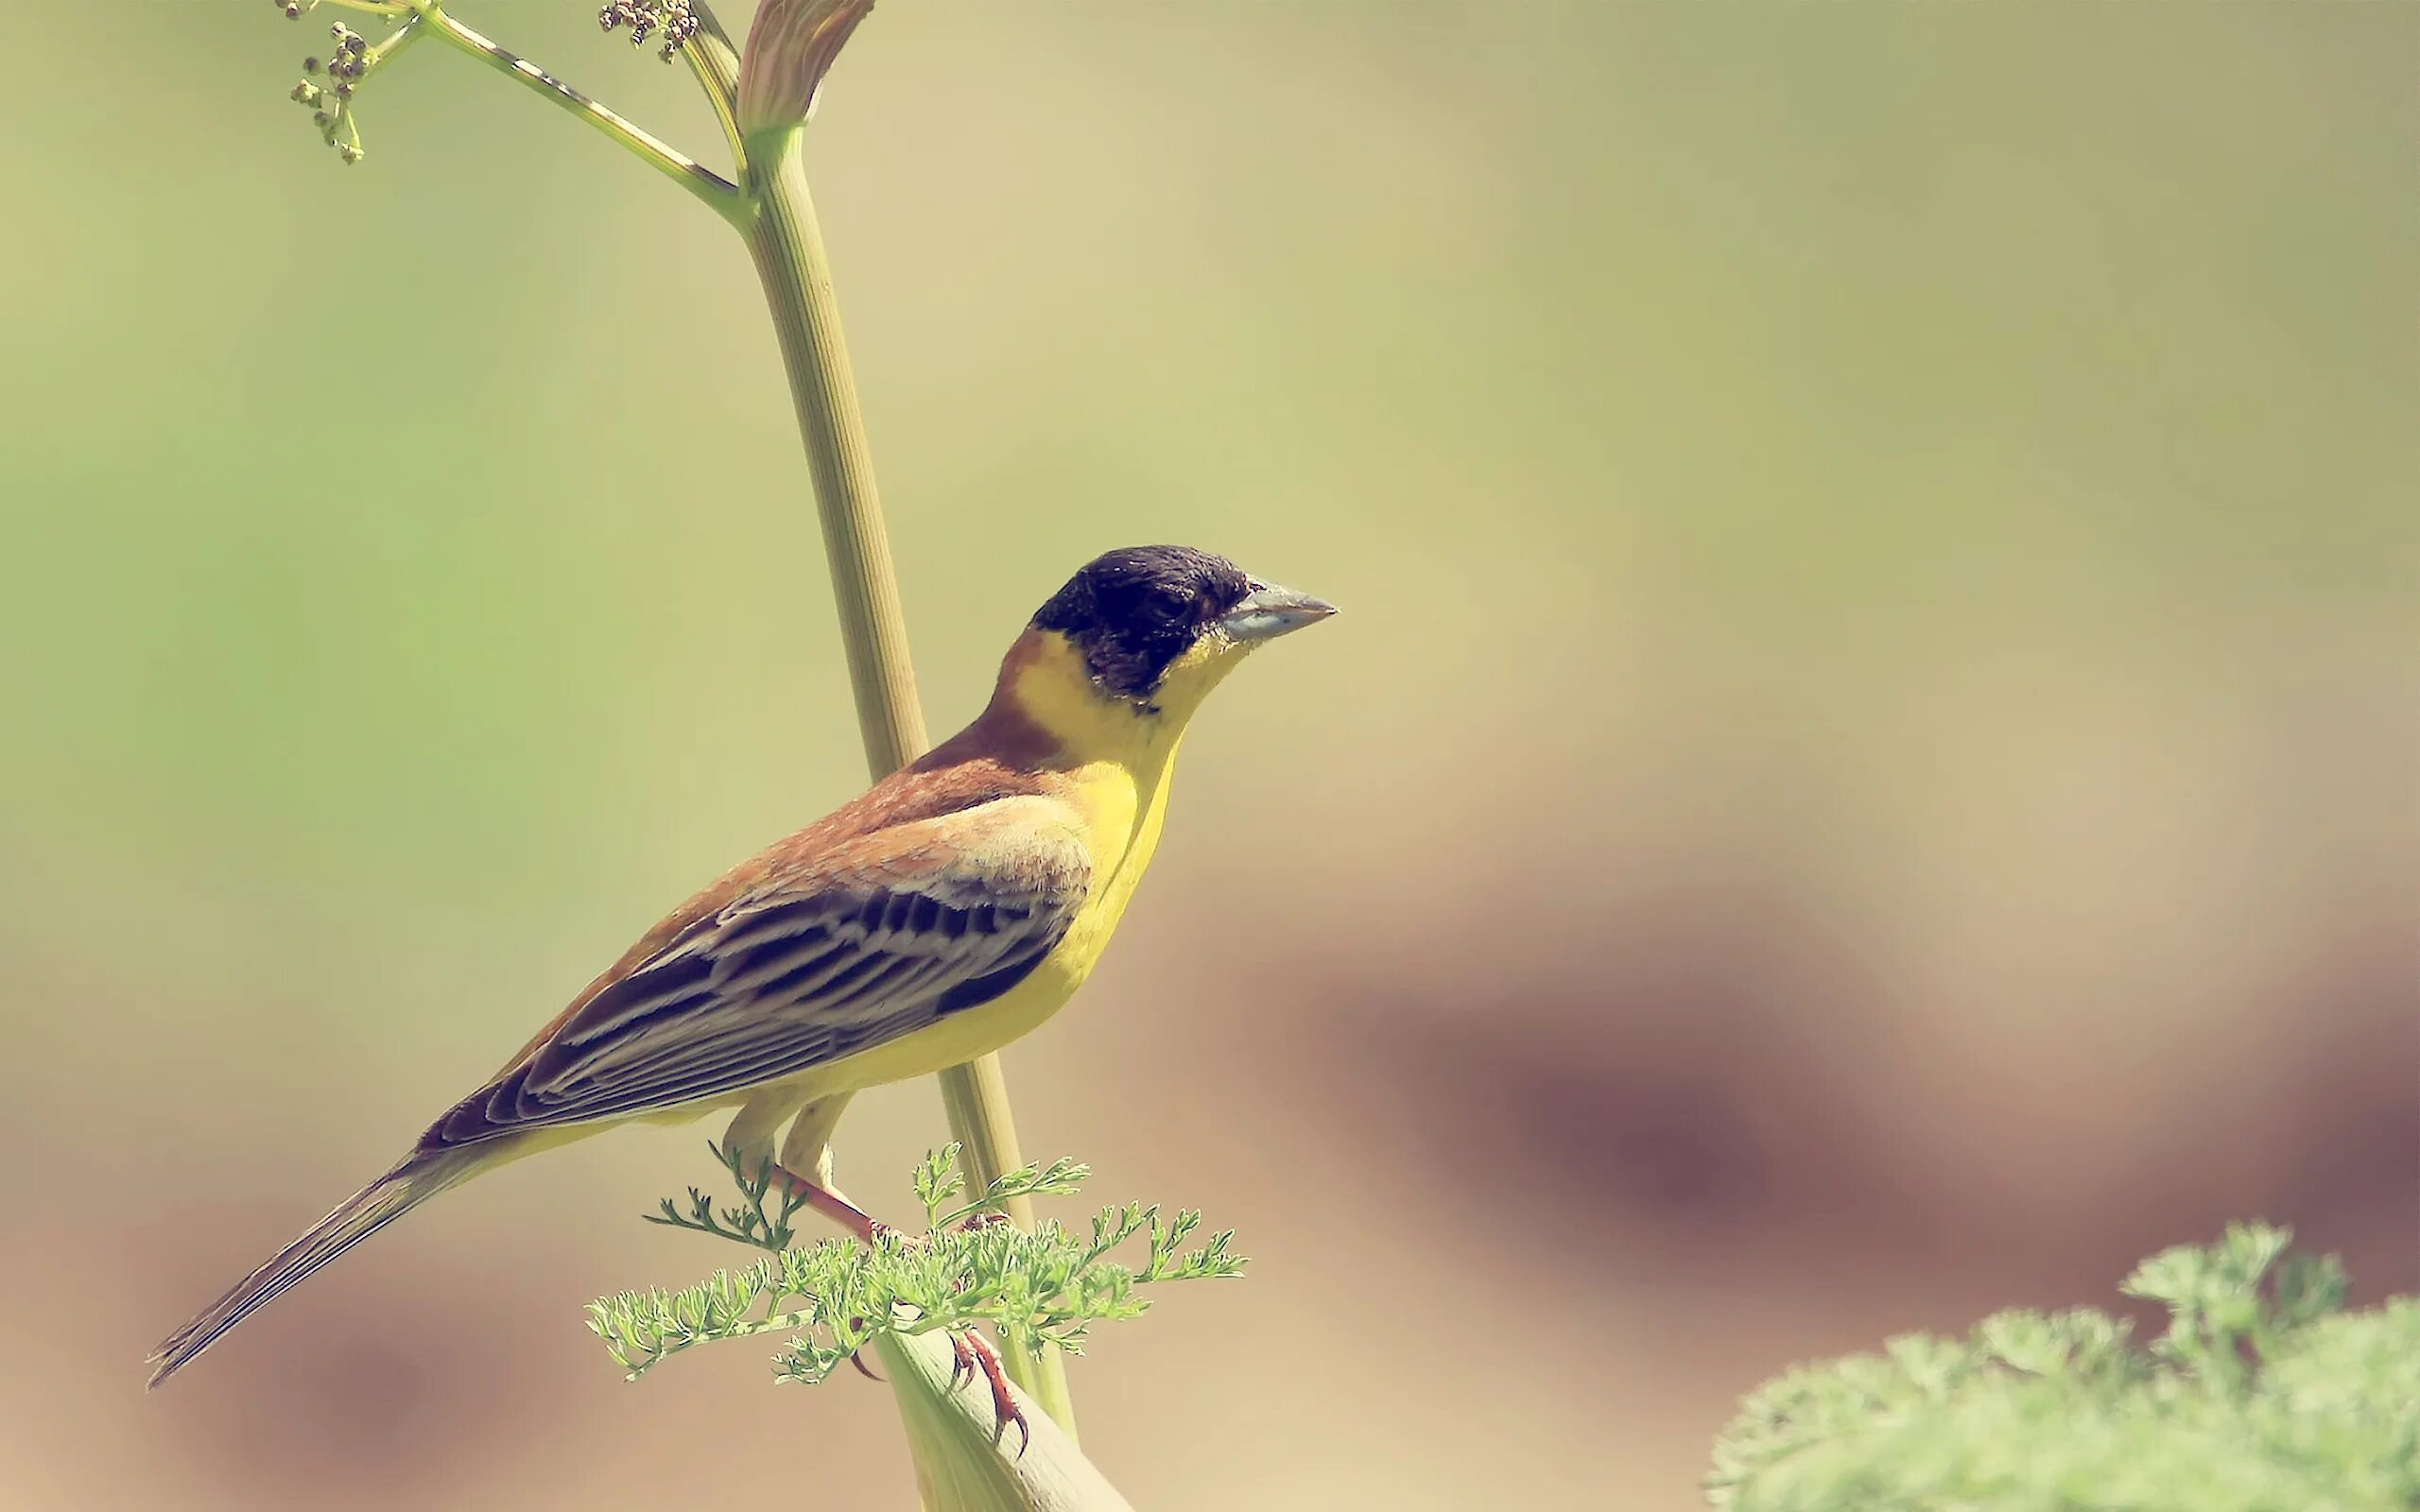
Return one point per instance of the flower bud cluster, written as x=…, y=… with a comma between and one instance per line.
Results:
x=644, y=18
x=331, y=105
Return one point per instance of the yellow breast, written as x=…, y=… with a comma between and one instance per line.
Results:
x=1123, y=811
x=1117, y=761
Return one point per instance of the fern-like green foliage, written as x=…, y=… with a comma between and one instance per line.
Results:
x=2261, y=1396
x=1044, y=1288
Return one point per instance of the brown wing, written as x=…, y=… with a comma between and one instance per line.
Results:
x=888, y=932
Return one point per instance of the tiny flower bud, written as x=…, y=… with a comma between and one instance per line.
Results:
x=310, y=65
x=320, y=118
x=293, y=13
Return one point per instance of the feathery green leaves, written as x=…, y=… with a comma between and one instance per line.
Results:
x=1047, y=1287
x=2261, y=1396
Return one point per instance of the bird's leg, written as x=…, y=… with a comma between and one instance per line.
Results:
x=830, y=1203
x=807, y=1148
x=971, y=1354
x=840, y=1211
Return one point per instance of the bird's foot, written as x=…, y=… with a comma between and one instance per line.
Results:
x=973, y=1356
x=876, y=1230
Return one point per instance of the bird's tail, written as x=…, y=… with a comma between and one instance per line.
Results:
x=409, y=1184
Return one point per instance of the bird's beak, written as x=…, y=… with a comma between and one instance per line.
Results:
x=1269, y=611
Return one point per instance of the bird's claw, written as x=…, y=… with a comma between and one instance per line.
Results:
x=970, y=1354
x=876, y=1230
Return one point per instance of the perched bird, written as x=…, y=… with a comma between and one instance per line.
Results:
x=948, y=911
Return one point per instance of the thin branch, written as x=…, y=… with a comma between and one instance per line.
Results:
x=708, y=185
x=400, y=38
x=788, y=245
x=714, y=61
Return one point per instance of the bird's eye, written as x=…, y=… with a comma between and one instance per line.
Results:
x=1166, y=606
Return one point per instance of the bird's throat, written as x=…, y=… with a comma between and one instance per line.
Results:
x=1118, y=755
x=1045, y=682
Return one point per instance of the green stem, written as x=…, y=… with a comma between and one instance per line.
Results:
x=715, y=62
x=708, y=185
x=775, y=215
x=383, y=53
x=787, y=247
x=788, y=250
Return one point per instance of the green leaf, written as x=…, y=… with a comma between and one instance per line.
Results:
x=2037, y=1412
x=1045, y=1288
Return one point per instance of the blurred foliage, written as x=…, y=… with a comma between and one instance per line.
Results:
x=2262, y=1396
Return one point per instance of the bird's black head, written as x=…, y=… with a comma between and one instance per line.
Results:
x=1134, y=611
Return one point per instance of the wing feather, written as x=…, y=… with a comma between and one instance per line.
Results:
x=887, y=936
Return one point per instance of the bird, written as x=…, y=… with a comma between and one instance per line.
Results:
x=948, y=911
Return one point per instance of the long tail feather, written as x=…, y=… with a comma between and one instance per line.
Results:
x=360, y=1215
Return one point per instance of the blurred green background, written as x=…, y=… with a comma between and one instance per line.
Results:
x=1868, y=773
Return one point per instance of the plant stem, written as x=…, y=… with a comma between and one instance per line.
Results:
x=708, y=185
x=787, y=247
x=959, y=1467
x=775, y=215
x=788, y=250
x=382, y=53
x=714, y=63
